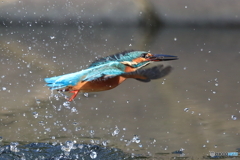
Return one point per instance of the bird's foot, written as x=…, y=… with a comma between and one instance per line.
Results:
x=75, y=92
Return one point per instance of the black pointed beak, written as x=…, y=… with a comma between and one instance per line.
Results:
x=162, y=57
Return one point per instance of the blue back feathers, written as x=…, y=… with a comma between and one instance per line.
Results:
x=119, y=57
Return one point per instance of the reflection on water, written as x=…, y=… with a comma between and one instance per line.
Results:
x=194, y=110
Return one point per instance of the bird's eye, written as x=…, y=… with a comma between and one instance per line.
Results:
x=144, y=55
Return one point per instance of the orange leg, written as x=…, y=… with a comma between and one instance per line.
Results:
x=75, y=92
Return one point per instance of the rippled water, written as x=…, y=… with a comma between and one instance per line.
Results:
x=192, y=111
x=69, y=150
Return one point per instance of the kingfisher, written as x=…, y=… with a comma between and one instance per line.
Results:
x=108, y=72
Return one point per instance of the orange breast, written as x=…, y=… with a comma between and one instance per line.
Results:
x=99, y=85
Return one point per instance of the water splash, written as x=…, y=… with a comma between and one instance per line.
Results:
x=69, y=145
x=56, y=151
x=135, y=139
x=13, y=146
x=93, y=155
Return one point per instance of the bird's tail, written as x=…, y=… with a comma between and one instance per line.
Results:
x=63, y=81
x=53, y=83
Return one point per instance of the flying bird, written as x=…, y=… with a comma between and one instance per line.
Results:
x=108, y=72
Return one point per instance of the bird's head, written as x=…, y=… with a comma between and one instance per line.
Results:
x=142, y=58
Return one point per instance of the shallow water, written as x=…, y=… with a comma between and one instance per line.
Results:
x=194, y=109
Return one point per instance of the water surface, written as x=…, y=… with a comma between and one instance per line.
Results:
x=195, y=108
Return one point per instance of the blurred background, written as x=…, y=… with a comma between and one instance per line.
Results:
x=190, y=112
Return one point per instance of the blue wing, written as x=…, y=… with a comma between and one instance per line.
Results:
x=105, y=71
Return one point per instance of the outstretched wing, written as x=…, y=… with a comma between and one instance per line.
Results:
x=105, y=72
x=146, y=75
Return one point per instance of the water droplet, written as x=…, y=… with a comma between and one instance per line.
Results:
x=35, y=114
x=74, y=109
x=185, y=6
x=136, y=139
x=85, y=94
x=204, y=146
x=4, y=88
x=66, y=104
x=52, y=37
x=48, y=129
x=38, y=101
x=93, y=155
x=116, y=131
x=56, y=97
x=104, y=143
x=234, y=117
x=75, y=123
x=216, y=84
x=91, y=133
x=184, y=68
x=130, y=45
x=64, y=129
x=186, y=109
x=77, y=128
x=154, y=141
x=91, y=141
x=166, y=148
x=127, y=101
x=41, y=123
